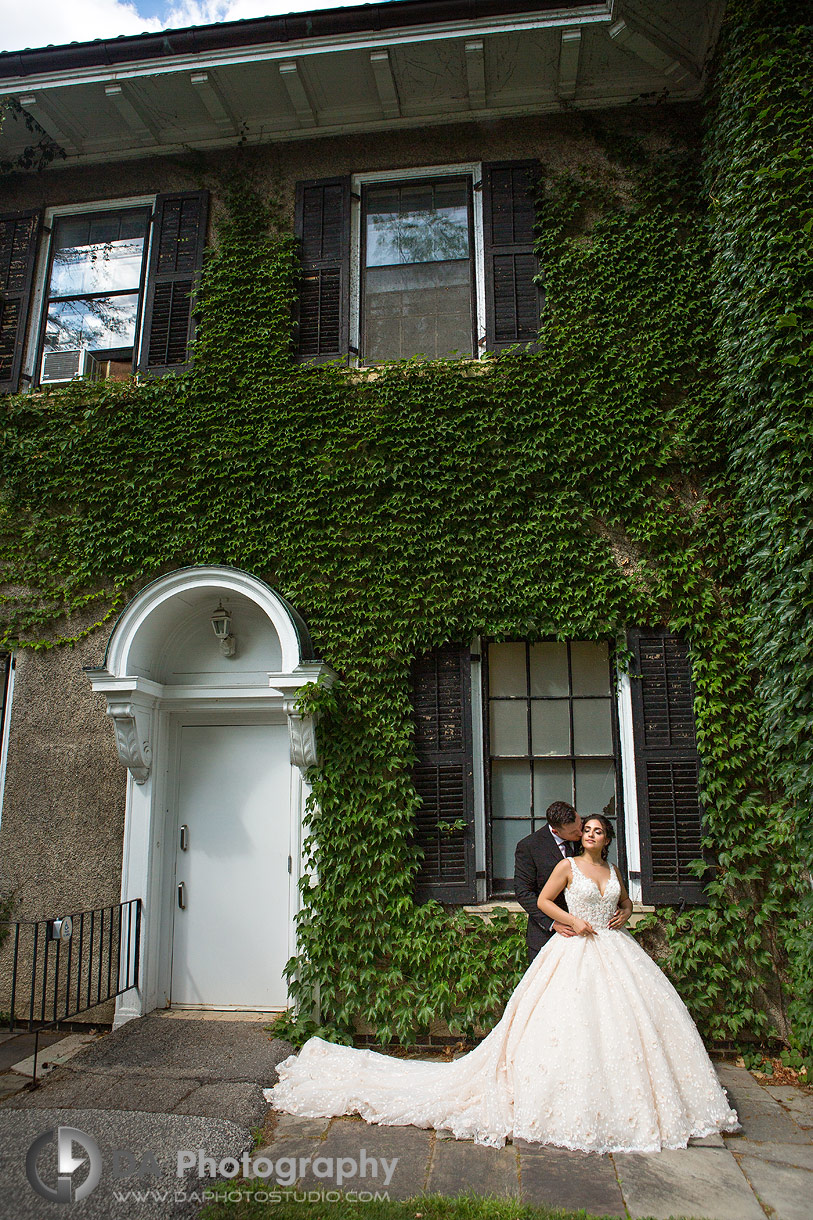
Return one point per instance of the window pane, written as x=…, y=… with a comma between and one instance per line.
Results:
x=98, y=254
x=510, y=789
x=553, y=781
x=417, y=278
x=549, y=669
x=106, y=322
x=592, y=727
x=417, y=223
x=509, y=726
x=550, y=726
x=421, y=310
x=595, y=788
x=590, y=667
x=506, y=669
x=504, y=838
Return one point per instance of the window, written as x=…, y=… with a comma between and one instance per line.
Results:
x=417, y=277
x=556, y=724
x=551, y=737
x=94, y=289
x=433, y=264
x=115, y=289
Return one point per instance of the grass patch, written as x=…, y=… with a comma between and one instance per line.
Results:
x=338, y=1207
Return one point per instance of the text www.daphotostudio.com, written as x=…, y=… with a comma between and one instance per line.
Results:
x=74, y=1177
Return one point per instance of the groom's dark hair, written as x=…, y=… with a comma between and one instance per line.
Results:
x=560, y=814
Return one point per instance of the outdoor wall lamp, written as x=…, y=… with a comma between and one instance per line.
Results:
x=221, y=625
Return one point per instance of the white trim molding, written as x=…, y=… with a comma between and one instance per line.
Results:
x=144, y=710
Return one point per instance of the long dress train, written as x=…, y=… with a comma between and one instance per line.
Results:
x=595, y=1051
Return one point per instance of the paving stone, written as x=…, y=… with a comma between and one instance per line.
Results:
x=761, y=1115
x=707, y=1141
x=788, y=1195
x=288, y=1125
x=237, y=1102
x=291, y=1152
x=11, y=1084
x=347, y=1137
x=798, y=1155
x=88, y=1091
x=53, y=1054
x=798, y=1103
x=777, y=1127
x=17, y=1047
x=692, y=1182
x=556, y=1177
x=461, y=1166
x=214, y=1050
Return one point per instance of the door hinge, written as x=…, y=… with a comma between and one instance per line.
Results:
x=290, y=865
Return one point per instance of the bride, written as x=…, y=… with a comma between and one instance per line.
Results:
x=594, y=1051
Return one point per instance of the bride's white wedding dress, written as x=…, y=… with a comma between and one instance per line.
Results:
x=595, y=1051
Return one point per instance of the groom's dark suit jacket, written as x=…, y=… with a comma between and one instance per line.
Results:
x=535, y=859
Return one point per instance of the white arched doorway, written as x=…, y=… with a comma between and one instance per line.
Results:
x=215, y=752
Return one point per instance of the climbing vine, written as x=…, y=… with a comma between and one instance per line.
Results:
x=569, y=490
x=37, y=154
x=761, y=211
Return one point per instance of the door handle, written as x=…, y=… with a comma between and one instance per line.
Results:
x=184, y=838
x=182, y=895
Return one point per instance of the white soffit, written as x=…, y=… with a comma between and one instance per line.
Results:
x=521, y=64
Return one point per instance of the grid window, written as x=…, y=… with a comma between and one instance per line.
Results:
x=551, y=737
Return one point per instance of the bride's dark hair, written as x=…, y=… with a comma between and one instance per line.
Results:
x=608, y=830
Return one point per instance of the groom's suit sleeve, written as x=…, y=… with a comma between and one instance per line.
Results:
x=526, y=881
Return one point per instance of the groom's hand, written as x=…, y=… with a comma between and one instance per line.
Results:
x=562, y=928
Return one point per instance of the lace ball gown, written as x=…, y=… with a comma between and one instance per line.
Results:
x=595, y=1051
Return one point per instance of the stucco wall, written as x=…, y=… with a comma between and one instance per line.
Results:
x=63, y=805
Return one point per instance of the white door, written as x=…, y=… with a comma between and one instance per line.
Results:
x=231, y=886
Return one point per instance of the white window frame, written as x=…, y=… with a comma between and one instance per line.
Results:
x=471, y=169
x=30, y=371
x=6, y=727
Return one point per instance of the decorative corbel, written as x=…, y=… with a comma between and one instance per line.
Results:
x=302, y=730
x=136, y=754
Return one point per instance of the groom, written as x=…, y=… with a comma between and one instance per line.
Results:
x=535, y=859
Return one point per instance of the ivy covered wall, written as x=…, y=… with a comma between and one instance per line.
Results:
x=760, y=191
x=572, y=490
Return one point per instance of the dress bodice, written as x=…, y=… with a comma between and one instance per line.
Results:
x=584, y=899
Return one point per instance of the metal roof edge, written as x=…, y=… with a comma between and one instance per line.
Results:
x=258, y=31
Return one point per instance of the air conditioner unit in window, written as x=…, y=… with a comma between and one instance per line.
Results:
x=65, y=365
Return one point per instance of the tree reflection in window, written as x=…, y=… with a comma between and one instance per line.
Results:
x=94, y=283
x=418, y=279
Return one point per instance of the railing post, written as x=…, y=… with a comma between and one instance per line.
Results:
x=14, y=979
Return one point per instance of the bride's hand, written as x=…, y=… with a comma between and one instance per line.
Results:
x=582, y=928
x=619, y=918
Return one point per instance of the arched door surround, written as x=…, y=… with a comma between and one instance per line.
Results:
x=171, y=689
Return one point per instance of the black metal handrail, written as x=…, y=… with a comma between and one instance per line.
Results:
x=66, y=976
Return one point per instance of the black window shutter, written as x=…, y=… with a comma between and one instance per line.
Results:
x=323, y=228
x=666, y=766
x=18, y=251
x=441, y=695
x=176, y=256
x=513, y=298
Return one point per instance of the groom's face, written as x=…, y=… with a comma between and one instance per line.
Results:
x=572, y=831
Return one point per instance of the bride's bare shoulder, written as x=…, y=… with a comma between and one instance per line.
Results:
x=563, y=871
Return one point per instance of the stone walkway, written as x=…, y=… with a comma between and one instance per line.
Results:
x=168, y=1084
x=765, y=1171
